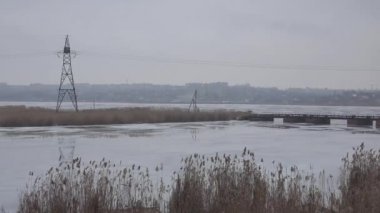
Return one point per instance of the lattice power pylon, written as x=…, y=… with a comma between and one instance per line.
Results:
x=67, y=73
x=193, y=104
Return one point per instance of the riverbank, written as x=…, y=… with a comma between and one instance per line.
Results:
x=21, y=116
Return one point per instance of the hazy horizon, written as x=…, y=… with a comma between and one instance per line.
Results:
x=292, y=44
x=373, y=89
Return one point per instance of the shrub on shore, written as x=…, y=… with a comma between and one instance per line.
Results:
x=208, y=184
x=17, y=116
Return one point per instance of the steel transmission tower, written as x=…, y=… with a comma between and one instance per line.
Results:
x=67, y=73
x=193, y=104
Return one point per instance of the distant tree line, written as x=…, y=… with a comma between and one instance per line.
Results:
x=218, y=92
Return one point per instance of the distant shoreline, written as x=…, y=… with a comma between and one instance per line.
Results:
x=208, y=93
x=152, y=104
x=22, y=116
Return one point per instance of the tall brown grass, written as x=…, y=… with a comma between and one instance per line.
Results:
x=17, y=116
x=98, y=187
x=221, y=183
x=239, y=184
x=360, y=181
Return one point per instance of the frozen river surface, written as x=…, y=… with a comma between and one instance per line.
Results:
x=39, y=148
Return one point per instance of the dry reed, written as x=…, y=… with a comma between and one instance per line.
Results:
x=98, y=187
x=221, y=183
x=18, y=116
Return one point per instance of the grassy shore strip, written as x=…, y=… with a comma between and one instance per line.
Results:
x=221, y=183
x=21, y=116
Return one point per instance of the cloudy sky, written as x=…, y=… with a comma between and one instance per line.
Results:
x=292, y=43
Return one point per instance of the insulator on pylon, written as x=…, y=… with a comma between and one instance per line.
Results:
x=66, y=50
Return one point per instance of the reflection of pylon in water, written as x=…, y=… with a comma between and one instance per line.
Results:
x=66, y=150
x=193, y=104
x=194, y=133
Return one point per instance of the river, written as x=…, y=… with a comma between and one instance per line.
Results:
x=310, y=147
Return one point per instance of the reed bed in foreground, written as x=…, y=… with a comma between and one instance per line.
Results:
x=18, y=116
x=221, y=183
x=95, y=187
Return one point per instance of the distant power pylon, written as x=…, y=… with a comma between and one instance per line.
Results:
x=193, y=104
x=67, y=72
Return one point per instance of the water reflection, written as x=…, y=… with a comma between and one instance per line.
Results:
x=66, y=147
x=194, y=133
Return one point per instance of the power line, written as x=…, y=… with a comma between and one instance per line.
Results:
x=27, y=54
x=231, y=63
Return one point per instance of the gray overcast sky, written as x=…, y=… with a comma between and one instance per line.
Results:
x=292, y=43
